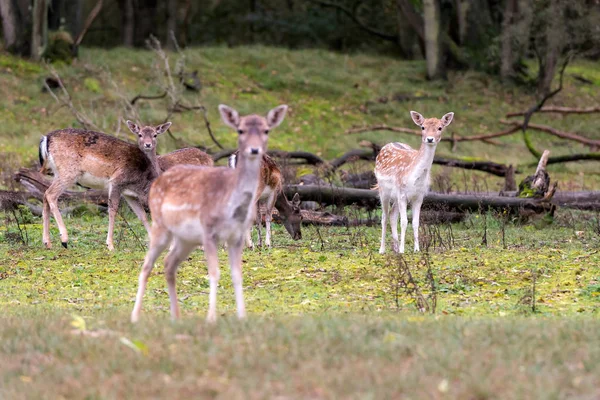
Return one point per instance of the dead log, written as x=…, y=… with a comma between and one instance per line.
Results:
x=332, y=195
x=36, y=184
x=559, y=110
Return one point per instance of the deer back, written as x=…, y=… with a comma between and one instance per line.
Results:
x=189, y=155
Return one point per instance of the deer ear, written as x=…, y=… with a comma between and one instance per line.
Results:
x=296, y=200
x=162, y=128
x=446, y=119
x=229, y=116
x=133, y=127
x=276, y=115
x=417, y=118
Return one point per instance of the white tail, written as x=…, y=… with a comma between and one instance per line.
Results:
x=193, y=206
x=146, y=140
x=93, y=160
x=271, y=195
x=403, y=177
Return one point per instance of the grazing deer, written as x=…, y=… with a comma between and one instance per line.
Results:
x=146, y=140
x=193, y=206
x=270, y=194
x=95, y=160
x=403, y=177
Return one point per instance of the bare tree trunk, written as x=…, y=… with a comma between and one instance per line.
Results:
x=55, y=9
x=184, y=32
x=171, y=24
x=462, y=7
x=553, y=39
x=507, y=58
x=127, y=18
x=39, y=34
x=13, y=27
x=433, y=43
x=74, y=11
x=406, y=35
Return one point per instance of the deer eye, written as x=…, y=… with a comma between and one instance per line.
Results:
x=422, y=128
x=140, y=135
x=267, y=132
x=240, y=131
x=440, y=128
x=155, y=136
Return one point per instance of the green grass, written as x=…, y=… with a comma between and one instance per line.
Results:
x=324, y=356
x=325, y=319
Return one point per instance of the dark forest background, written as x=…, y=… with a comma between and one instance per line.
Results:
x=496, y=36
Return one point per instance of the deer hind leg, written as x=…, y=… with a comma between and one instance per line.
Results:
x=235, y=262
x=159, y=239
x=210, y=252
x=114, y=197
x=58, y=186
x=177, y=254
x=394, y=224
x=402, y=205
x=416, y=212
x=139, y=211
x=269, y=216
x=385, y=207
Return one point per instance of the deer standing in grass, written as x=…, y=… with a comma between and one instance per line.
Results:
x=193, y=206
x=146, y=140
x=95, y=160
x=403, y=175
x=270, y=193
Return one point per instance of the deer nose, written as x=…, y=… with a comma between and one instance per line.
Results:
x=254, y=150
x=148, y=145
x=429, y=139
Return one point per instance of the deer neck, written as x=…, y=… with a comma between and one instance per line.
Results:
x=283, y=205
x=425, y=157
x=244, y=191
x=153, y=159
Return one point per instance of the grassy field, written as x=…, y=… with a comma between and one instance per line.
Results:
x=516, y=316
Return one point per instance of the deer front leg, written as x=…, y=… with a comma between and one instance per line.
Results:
x=402, y=204
x=114, y=197
x=416, y=212
x=235, y=262
x=210, y=252
x=159, y=238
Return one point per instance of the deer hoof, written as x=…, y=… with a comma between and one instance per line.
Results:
x=64, y=244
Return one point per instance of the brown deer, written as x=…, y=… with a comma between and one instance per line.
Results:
x=146, y=140
x=403, y=175
x=271, y=195
x=193, y=206
x=94, y=160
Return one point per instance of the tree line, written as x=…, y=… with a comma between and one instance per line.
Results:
x=496, y=36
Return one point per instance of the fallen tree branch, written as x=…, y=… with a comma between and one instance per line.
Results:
x=558, y=133
x=559, y=110
x=415, y=132
x=142, y=97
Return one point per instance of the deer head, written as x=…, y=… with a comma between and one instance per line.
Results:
x=253, y=130
x=292, y=218
x=147, y=134
x=431, y=128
